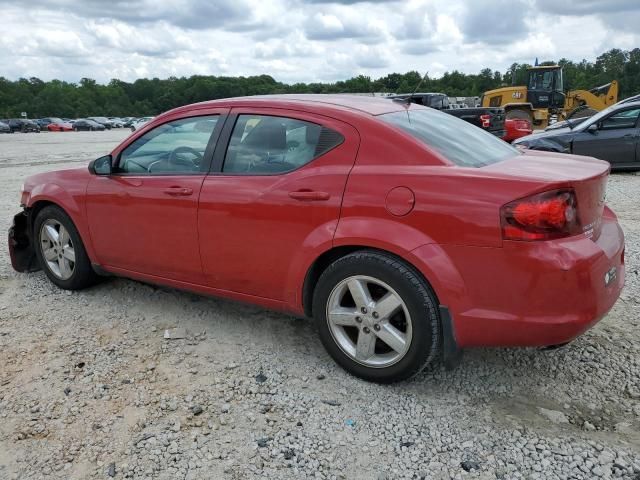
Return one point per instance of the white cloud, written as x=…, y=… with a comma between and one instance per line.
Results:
x=300, y=40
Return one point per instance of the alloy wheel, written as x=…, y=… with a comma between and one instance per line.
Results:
x=57, y=249
x=369, y=321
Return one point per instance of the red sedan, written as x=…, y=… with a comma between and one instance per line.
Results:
x=406, y=233
x=60, y=127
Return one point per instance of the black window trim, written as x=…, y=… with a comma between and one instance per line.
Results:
x=225, y=139
x=617, y=112
x=207, y=158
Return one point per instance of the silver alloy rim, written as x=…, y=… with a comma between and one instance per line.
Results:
x=57, y=249
x=369, y=321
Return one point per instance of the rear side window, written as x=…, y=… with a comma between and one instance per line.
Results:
x=460, y=142
x=267, y=145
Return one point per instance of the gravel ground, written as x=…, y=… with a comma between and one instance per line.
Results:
x=90, y=388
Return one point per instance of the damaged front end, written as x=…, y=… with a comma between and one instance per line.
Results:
x=21, y=248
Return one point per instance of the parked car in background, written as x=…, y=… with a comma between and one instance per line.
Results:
x=60, y=126
x=23, y=125
x=87, y=125
x=516, y=128
x=42, y=123
x=140, y=122
x=612, y=134
x=406, y=233
x=4, y=127
x=489, y=119
x=102, y=121
x=116, y=122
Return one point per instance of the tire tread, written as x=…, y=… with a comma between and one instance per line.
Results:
x=424, y=292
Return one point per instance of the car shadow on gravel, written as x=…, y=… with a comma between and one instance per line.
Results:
x=481, y=371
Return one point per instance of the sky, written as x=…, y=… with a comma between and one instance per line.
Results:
x=301, y=40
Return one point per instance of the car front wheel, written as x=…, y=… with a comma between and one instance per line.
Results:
x=60, y=250
x=377, y=317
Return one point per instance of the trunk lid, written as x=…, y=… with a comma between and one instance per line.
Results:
x=587, y=176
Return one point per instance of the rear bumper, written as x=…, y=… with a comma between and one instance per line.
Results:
x=21, y=252
x=535, y=293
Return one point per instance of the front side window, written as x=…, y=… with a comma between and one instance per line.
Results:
x=460, y=142
x=171, y=148
x=624, y=119
x=265, y=145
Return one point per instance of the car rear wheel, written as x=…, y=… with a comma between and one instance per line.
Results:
x=519, y=114
x=60, y=250
x=377, y=317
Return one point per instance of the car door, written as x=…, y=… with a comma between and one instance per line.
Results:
x=615, y=139
x=276, y=193
x=143, y=217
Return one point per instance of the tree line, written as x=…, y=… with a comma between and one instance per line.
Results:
x=152, y=96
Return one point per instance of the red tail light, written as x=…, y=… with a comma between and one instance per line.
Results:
x=543, y=216
x=486, y=120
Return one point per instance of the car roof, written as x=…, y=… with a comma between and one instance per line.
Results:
x=362, y=104
x=635, y=100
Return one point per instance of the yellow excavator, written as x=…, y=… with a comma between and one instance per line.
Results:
x=544, y=97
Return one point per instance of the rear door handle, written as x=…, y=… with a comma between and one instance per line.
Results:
x=178, y=191
x=309, y=195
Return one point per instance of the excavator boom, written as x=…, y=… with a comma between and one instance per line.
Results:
x=597, y=98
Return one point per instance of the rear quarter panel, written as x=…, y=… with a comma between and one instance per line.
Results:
x=452, y=206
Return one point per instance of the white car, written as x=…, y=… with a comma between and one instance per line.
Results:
x=141, y=122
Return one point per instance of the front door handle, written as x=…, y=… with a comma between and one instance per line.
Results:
x=178, y=191
x=309, y=195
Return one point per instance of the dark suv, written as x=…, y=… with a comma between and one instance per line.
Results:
x=22, y=125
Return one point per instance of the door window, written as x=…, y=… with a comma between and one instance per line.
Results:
x=176, y=147
x=624, y=119
x=267, y=145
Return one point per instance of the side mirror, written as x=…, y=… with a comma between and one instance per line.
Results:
x=101, y=166
x=593, y=128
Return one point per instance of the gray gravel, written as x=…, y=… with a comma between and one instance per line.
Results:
x=91, y=388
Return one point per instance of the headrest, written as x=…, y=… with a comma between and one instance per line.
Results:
x=270, y=134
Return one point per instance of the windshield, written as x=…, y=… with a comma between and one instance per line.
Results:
x=545, y=80
x=460, y=142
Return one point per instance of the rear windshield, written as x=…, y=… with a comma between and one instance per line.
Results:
x=460, y=142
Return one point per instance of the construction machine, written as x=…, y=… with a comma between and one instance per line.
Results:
x=544, y=97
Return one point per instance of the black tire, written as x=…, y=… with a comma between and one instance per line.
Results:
x=519, y=114
x=83, y=275
x=417, y=295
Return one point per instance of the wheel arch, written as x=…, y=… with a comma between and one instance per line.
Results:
x=325, y=259
x=54, y=195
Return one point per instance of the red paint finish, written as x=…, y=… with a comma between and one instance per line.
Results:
x=400, y=201
x=60, y=127
x=251, y=227
x=137, y=225
x=255, y=237
x=515, y=128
